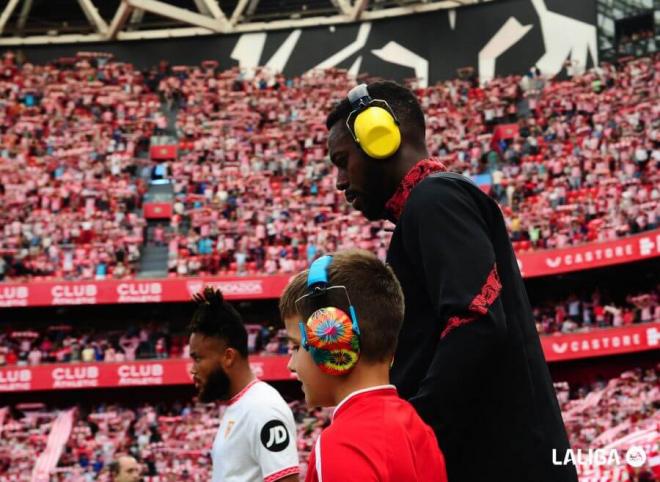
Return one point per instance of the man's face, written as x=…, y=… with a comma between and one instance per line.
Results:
x=129, y=470
x=209, y=376
x=317, y=386
x=360, y=177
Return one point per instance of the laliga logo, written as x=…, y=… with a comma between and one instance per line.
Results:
x=138, y=289
x=15, y=376
x=635, y=457
x=140, y=371
x=653, y=336
x=75, y=373
x=73, y=291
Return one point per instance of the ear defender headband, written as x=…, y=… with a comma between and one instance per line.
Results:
x=373, y=124
x=329, y=334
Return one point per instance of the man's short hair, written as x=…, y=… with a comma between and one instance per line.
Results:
x=375, y=293
x=400, y=99
x=214, y=317
x=113, y=468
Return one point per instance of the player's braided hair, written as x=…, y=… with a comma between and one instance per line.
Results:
x=216, y=318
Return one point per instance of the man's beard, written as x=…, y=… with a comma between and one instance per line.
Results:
x=215, y=388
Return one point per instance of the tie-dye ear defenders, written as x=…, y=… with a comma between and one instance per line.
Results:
x=331, y=333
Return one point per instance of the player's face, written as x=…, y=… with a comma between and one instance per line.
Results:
x=317, y=386
x=360, y=177
x=207, y=371
x=129, y=470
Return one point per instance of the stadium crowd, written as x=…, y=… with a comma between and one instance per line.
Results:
x=577, y=163
x=584, y=313
x=172, y=441
x=71, y=136
x=67, y=343
x=23, y=435
x=580, y=165
x=75, y=343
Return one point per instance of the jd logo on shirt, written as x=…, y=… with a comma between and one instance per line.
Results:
x=275, y=436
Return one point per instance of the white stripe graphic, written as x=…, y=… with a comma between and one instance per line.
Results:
x=317, y=452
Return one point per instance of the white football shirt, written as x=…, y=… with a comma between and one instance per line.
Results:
x=256, y=440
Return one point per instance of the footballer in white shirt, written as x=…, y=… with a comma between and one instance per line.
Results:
x=256, y=440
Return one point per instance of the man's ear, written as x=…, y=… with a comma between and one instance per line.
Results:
x=230, y=357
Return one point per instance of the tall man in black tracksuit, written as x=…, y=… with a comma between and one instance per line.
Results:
x=469, y=357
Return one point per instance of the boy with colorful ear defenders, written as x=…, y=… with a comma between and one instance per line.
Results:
x=342, y=318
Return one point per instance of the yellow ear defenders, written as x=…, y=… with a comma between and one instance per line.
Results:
x=373, y=124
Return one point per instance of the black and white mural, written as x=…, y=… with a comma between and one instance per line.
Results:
x=498, y=38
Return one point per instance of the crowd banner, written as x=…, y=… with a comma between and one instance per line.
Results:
x=176, y=371
x=549, y=262
x=532, y=264
x=602, y=342
x=63, y=376
x=58, y=293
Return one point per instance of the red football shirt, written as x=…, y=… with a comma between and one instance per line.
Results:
x=375, y=436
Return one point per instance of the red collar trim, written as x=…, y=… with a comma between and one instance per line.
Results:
x=419, y=172
x=240, y=394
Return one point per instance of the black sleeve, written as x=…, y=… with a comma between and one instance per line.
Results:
x=447, y=239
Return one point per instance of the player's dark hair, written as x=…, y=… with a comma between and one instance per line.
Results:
x=401, y=99
x=113, y=468
x=216, y=318
x=375, y=293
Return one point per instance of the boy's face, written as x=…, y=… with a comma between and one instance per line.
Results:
x=319, y=387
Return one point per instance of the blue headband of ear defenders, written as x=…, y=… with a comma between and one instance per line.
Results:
x=318, y=277
x=318, y=272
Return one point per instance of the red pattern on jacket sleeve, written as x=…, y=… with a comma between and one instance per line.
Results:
x=479, y=305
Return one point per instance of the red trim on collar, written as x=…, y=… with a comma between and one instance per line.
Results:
x=419, y=172
x=282, y=473
x=238, y=396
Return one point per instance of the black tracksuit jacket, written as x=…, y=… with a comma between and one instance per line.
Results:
x=469, y=357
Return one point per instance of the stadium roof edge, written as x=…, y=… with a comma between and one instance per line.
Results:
x=208, y=20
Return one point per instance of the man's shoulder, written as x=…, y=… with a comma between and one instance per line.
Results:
x=442, y=189
x=263, y=401
x=261, y=393
x=442, y=184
